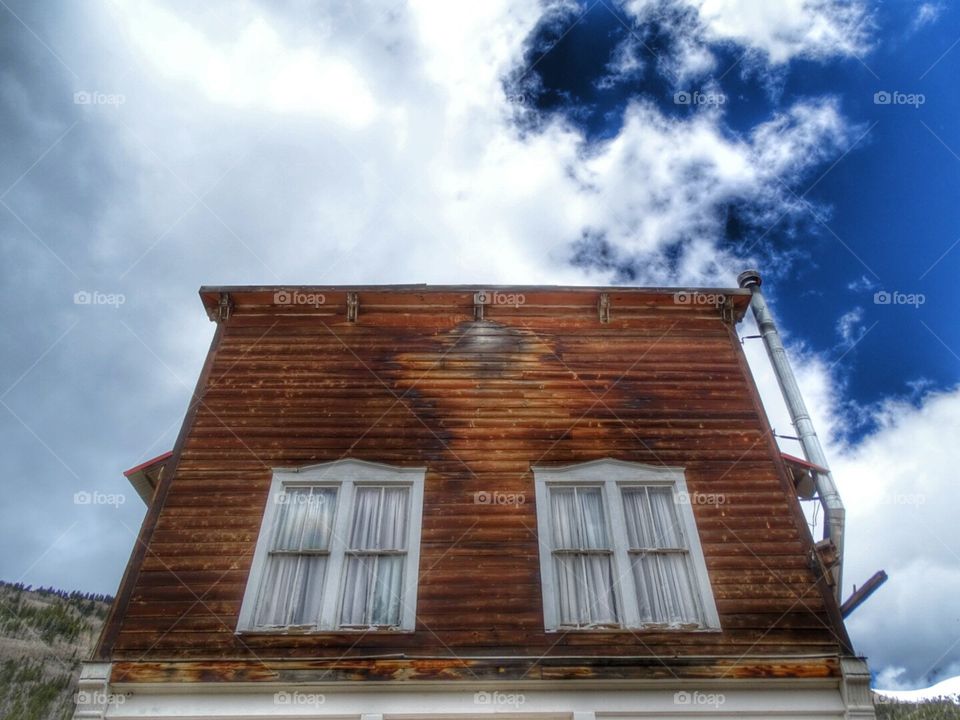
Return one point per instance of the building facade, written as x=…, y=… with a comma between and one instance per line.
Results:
x=439, y=502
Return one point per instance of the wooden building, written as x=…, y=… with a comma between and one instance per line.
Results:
x=439, y=502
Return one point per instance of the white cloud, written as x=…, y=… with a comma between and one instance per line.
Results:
x=927, y=14
x=850, y=327
x=897, y=485
x=252, y=69
x=775, y=32
x=786, y=29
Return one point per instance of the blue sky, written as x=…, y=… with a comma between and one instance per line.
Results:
x=150, y=147
x=883, y=214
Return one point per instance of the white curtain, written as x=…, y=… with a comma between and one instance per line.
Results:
x=373, y=574
x=662, y=568
x=292, y=585
x=583, y=563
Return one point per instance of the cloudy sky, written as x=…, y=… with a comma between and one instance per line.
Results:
x=150, y=147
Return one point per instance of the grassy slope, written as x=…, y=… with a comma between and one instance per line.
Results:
x=44, y=635
x=943, y=709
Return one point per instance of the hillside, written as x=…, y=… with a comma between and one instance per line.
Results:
x=44, y=635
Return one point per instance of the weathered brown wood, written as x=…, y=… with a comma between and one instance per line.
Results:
x=416, y=381
x=268, y=668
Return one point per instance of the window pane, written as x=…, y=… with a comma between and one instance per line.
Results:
x=567, y=569
x=294, y=503
x=601, y=606
x=393, y=519
x=387, y=591
x=591, y=510
x=309, y=590
x=292, y=590
x=578, y=519
x=652, y=520
x=364, y=533
x=276, y=591
x=665, y=588
x=668, y=533
x=319, y=519
x=566, y=534
x=372, y=591
x=585, y=589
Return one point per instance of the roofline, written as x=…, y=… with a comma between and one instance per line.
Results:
x=144, y=465
x=474, y=287
x=793, y=459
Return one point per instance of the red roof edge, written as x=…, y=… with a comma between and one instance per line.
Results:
x=793, y=460
x=144, y=465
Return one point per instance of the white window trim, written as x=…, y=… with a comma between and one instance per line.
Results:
x=610, y=474
x=346, y=474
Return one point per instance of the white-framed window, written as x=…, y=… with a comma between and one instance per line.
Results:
x=619, y=548
x=339, y=549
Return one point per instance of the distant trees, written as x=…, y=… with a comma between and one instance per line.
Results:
x=935, y=709
x=44, y=634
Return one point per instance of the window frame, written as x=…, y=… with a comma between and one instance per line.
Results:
x=345, y=475
x=611, y=475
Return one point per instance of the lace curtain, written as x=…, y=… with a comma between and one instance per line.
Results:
x=661, y=563
x=376, y=554
x=292, y=587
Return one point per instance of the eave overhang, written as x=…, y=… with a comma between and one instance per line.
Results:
x=145, y=476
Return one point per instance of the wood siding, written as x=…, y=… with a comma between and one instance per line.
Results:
x=417, y=381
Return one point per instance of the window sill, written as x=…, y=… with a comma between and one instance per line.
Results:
x=651, y=629
x=315, y=631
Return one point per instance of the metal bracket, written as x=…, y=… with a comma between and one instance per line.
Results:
x=223, y=309
x=353, y=306
x=479, y=300
x=603, y=308
x=727, y=311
